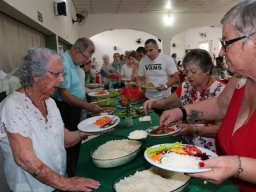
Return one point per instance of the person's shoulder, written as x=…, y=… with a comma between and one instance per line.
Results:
x=12, y=100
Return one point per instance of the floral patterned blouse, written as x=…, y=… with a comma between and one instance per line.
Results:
x=188, y=95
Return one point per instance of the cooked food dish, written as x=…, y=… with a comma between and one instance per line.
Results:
x=162, y=130
x=101, y=92
x=177, y=157
x=99, y=124
x=104, y=122
x=108, y=109
x=108, y=103
x=148, y=85
x=152, y=180
x=115, y=152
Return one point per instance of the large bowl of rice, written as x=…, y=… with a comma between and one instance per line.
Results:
x=114, y=153
x=151, y=179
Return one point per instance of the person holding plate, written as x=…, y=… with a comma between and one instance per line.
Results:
x=159, y=69
x=200, y=85
x=70, y=96
x=236, y=104
x=34, y=135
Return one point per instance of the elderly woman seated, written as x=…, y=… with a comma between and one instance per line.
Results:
x=200, y=85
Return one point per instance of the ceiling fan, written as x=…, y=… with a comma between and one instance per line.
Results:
x=81, y=17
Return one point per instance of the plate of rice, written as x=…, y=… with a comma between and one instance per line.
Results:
x=178, y=157
x=158, y=131
x=98, y=124
x=151, y=179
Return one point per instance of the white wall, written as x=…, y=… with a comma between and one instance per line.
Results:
x=150, y=23
x=191, y=38
x=125, y=39
x=59, y=25
x=96, y=23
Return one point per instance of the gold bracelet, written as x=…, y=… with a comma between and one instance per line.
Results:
x=240, y=169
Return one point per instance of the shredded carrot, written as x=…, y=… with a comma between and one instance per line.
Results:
x=156, y=157
x=103, y=120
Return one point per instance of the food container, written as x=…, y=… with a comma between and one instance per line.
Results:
x=114, y=162
x=143, y=183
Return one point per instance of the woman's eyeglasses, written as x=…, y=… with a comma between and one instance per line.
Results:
x=224, y=43
x=57, y=74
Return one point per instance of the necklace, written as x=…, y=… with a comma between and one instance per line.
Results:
x=42, y=110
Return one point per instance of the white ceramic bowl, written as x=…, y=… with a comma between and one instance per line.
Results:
x=114, y=162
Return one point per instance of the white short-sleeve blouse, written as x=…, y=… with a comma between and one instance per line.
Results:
x=19, y=115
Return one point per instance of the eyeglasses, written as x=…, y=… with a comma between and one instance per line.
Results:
x=57, y=74
x=82, y=54
x=224, y=43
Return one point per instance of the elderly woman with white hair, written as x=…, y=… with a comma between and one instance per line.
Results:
x=35, y=137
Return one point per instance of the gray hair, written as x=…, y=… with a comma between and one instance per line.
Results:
x=242, y=17
x=35, y=64
x=200, y=57
x=82, y=44
x=105, y=56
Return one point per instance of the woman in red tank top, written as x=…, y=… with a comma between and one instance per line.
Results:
x=236, y=104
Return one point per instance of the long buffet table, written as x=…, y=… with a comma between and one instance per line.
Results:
x=107, y=176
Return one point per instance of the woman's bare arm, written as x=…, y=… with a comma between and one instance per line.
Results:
x=209, y=109
x=24, y=156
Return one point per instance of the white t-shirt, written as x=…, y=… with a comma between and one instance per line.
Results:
x=158, y=72
x=126, y=71
x=19, y=115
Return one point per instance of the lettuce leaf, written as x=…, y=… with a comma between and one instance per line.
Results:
x=162, y=147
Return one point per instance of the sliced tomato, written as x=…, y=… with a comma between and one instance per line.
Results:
x=192, y=150
x=169, y=129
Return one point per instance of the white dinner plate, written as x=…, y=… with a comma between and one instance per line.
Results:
x=176, y=130
x=93, y=85
x=88, y=125
x=94, y=94
x=183, y=170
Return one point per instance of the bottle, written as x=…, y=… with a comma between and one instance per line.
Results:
x=111, y=86
x=98, y=78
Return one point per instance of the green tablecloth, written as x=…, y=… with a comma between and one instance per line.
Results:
x=107, y=176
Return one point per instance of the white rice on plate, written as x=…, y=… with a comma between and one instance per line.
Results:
x=138, y=134
x=116, y=148
x=180, y=161
x=152, y=180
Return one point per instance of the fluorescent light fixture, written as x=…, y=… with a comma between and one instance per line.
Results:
x=168, y=4
x=168, y=20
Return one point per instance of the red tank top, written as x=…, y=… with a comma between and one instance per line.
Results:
x=242, y=142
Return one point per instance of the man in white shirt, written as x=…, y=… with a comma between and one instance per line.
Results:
x=159, y=69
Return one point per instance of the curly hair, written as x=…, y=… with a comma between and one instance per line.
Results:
x=35, y=64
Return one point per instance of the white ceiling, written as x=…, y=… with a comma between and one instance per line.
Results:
x=152, y=6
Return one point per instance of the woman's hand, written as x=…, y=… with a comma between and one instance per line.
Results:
x=148, y=105
x=186, y=129
x=95, y=109
x=222, y=168
x=81, y=184
x=170, y=116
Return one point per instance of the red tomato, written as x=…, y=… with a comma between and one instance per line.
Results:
x=169, y=129
x=192, y=150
